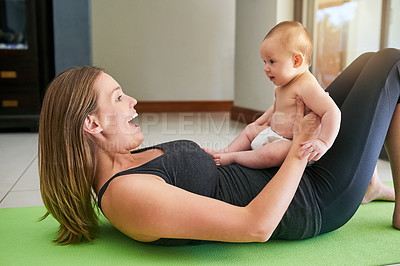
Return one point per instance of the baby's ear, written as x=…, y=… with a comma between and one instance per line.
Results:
x=298, y=60
x=91, y=125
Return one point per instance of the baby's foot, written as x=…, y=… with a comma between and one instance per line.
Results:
x=211, y=152
x=378, y=191
x=223, y=159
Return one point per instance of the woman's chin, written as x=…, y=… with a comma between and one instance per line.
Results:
x=137, y=143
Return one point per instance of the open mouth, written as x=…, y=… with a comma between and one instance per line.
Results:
x=132, y=118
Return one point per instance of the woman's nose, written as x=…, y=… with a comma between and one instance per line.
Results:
x=133, y=102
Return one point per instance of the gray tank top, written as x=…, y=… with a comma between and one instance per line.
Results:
x=185, y=165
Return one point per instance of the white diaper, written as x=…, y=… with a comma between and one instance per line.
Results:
x=266, y=136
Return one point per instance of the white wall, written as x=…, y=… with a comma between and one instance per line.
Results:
x=166, y=50
x=394, y=25
x=358, y=41
x=284, y=10
x=253, y=21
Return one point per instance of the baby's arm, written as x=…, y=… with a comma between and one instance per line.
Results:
x=265, y=118
x=322, y=104
x=243, y=141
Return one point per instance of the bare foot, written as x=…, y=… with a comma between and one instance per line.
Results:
x=223, y=159
x=211, y=152
x=378, y=191
x=396, y=218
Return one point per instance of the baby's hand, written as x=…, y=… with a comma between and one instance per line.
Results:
x=314, y=149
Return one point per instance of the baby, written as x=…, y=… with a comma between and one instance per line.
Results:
x=286, y=52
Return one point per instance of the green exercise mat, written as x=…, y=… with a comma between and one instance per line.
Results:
x=367, y=239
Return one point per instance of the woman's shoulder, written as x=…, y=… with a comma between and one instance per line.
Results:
x=129, y=196
x=127, y=188
x=130, y=180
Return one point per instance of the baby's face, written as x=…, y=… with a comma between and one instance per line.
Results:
x=279, y=62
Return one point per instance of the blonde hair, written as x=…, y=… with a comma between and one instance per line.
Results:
x=294, y=37
x=66, y=154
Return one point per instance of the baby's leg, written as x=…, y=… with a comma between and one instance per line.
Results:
x=242, y=142
x=269, y=155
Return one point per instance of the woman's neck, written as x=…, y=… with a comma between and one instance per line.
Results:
x=109, y=163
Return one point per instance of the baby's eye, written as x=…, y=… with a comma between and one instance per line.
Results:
x=271, y=61
x=119, y=98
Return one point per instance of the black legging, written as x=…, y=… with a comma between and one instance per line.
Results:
x=367, y=93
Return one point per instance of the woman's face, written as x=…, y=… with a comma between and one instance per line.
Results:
x=115, y=115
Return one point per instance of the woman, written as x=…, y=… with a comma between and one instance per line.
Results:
x=172, y=191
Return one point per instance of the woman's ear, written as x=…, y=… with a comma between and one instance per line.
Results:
x=298, y=60
x=91, y=125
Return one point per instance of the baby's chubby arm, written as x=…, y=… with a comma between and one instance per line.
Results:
x=321, y=104
x=265, y=118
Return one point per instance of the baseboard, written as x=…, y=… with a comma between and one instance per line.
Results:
x=183, y=106
x=245, y=115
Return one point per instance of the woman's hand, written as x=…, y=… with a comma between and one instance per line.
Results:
x=314, y=149
x=306, y=129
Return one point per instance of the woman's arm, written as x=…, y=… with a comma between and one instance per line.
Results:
x=145, y=208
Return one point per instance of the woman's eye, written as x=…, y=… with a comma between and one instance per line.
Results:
x=119, y=98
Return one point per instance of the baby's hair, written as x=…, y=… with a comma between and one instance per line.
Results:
x=294, y=37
